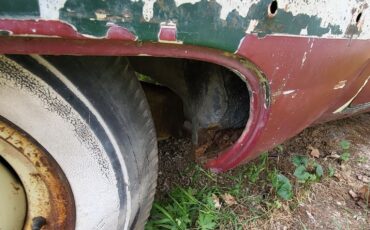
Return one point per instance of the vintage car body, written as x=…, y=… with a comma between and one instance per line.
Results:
x=314, y=55
x=304, y=62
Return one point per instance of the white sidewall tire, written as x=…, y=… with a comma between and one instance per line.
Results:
x=97, y=174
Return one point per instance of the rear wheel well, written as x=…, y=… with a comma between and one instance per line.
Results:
x=209, y=101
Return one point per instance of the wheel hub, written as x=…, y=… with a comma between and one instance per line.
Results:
x=47, y=199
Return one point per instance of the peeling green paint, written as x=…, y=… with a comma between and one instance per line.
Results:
x=286, y=23
x=198, y=24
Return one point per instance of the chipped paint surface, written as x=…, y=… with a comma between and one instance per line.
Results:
x=287, y=92
x=222, y=26
x=148, y=10
x=227, y=6
x=304, y=59
x=343, y=107
x=252, y=26
x=340, y=85
x=331, y=12
x=49, y=9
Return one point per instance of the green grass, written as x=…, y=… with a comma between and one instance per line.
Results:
x=257, y=189
x=196, y=207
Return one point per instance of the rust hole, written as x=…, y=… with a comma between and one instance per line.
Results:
x=358, y=18
x=272, y=9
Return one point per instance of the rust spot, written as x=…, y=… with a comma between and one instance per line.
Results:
x=213, y=141
x=35, y=175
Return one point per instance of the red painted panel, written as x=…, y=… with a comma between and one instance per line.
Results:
x=309, y=78
x=39, y=27
x=304, y=74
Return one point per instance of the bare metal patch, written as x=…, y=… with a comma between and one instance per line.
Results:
x=340, y=85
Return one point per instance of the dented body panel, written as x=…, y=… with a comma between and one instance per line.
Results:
x=305, y=62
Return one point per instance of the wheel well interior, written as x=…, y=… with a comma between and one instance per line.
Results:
x=206, y=101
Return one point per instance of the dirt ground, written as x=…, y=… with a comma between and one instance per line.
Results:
x=334, y=202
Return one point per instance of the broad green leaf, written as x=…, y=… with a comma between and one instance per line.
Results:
x=300, y=160
x=283, y=187
x=301, y=174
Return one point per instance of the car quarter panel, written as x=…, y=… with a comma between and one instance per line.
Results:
x=313, y=55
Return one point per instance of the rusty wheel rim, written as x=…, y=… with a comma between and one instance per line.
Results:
x=50, y=203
